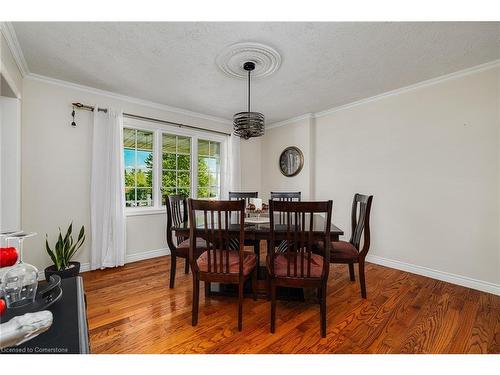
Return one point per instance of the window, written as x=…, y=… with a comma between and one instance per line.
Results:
x=176, y=166
x=138, y=156
x=161, y=160
x=208, y=169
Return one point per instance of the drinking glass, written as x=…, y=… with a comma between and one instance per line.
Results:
x=20, y=282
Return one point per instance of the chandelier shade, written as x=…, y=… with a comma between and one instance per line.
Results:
x=248, y=124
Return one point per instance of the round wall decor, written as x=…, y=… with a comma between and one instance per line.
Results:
x=291, y=161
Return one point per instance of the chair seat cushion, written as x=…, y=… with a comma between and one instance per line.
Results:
x=200, y=244
x=281, y=265
x=182, y=250
x=341, y=250
x=249, y=261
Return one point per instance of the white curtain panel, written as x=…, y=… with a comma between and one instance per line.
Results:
x=107, y=200
x=232, y=170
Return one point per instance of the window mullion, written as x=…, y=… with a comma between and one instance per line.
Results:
x=176, y=164
x=194, y=167
x=156, y=188
x=135, y=169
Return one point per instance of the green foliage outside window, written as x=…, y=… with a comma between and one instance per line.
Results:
x=208, y=169
x=138, y=151
x=176, y=165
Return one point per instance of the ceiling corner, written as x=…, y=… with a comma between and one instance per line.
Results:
x=9, y=34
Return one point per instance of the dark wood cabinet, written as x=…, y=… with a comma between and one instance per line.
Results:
x=69, y=332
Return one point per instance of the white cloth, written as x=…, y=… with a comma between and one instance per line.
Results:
x=232, y=171
x=24, y=327
x=107, y=197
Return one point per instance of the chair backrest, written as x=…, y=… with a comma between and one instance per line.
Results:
x=290, y=196
x=211, y=221
x=177, y=213
x=360, y=221
x=283, y=196
x=243, y=195
x=297, y=235
x=238, y=195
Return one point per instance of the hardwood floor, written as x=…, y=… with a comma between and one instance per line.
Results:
x=132, y=310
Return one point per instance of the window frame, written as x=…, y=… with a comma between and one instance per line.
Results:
x=152, y=169
x=221, y=163
x=158, y=129
x=176, y=154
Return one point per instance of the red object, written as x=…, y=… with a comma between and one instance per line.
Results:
x=8, y=256
x=3, y=306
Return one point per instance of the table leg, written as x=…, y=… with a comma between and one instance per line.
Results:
x=256, y=249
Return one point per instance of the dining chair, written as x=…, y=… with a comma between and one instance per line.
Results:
x=211, y=221
x=288, y=196
x=298, y=266
x=177, y=213
x=284, y=196
x=237, y=195
x=351, y=252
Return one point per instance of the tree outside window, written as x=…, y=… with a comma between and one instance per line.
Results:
x=176, y=165
x=138, y=157
x=208, y=169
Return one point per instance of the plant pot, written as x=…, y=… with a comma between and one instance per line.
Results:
x=72, y=270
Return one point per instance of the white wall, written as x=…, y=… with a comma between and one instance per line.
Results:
x=10, y=137
x=296, y=133
x=429, y=155
x=56, y=168
x=251, y=176
x=10, y=164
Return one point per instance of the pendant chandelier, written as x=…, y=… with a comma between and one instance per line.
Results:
x=248, y=124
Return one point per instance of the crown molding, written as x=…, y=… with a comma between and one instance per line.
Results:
x=307, y=116
x=12, y=84
x=430, y=82
x=10, y=36
x=125, y=98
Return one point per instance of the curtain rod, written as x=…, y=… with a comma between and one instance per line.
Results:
x=138, y=117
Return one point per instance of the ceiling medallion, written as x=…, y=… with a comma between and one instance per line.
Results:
x=232, y=59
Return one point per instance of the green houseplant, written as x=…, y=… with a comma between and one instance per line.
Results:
x=64, y=249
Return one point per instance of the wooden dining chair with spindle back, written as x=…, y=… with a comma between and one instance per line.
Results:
x=211, y=221
x=297, y=266
x=177, y=213
x=238, y=195
x=352, y=251
x=284, y=196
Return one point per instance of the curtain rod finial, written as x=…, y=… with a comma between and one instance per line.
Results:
x=73, y=123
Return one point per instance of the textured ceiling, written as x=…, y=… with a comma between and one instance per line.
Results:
x=323, y=64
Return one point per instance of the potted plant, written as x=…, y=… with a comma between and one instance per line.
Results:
x=64, y=249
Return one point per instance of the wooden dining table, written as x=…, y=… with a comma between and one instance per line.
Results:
x=261, y=232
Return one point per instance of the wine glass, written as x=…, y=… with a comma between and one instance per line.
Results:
x=19, y=283
x=5, y=235
x=4, y=243
x=20, y=237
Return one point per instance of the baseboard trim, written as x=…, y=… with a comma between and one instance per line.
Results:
x=468, y=282
x=129, y=258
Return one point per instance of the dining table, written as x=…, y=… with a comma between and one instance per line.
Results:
x=257, y=229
